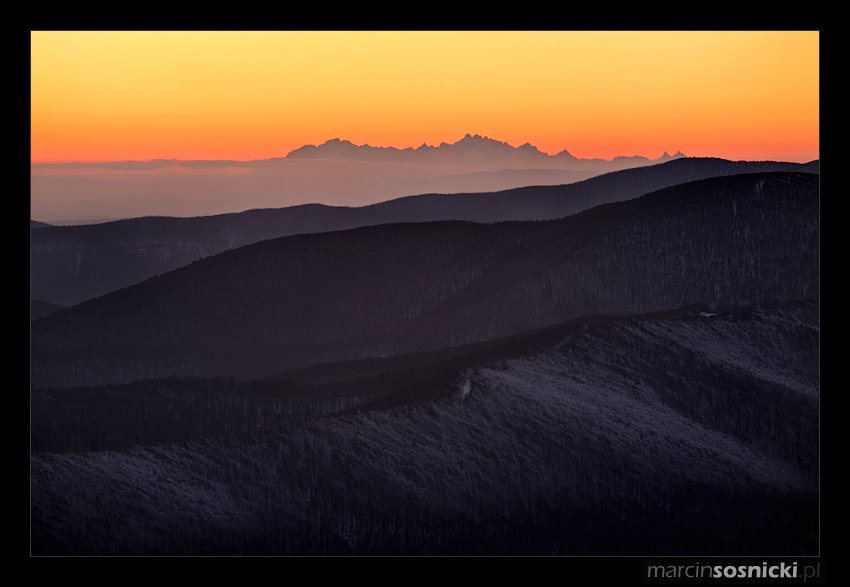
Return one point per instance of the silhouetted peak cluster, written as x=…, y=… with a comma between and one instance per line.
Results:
x=470, y=145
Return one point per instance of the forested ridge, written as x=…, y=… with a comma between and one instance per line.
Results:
x=681, y=433
x=389, y=289
x=70, y=264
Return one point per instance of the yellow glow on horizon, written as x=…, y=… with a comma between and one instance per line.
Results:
x=107, y=96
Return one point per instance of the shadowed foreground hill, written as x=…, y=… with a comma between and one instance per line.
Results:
x=686, y=433
x=70, y=264
x=39, y=308
x=392, y=289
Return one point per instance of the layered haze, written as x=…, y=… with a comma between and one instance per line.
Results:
x=337, y=173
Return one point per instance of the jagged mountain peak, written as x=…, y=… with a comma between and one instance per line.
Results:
x=667, y=157
x=479, y=139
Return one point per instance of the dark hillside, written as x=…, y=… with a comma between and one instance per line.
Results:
x=70, y=264
x=689, y=433
x=401, y=288
x=39, y=308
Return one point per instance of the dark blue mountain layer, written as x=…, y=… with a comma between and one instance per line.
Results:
x=400, y=288
x=70, y=264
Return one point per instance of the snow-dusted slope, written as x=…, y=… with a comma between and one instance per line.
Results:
x=681, y=434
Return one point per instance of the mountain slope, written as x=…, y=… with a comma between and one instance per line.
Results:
x=686, y=433
x=401, y=288
x=39, y=308
x=70, y=264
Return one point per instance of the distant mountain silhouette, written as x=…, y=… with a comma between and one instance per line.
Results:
x=491, y=154
x=400, y=288
x=70, y=264
x=337, y=172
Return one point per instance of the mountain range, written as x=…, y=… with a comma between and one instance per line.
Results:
x=335, y=173
x=488, y=155
x=627, y=365
x=70, y=264
x=406, y=287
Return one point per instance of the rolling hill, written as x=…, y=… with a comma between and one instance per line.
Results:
x=400, y=288
x=70, y=264
x=690, y=432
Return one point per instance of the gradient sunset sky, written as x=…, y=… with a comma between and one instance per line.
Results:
x=116, y=96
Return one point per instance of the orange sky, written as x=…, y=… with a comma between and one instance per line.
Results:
x=111, y=96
